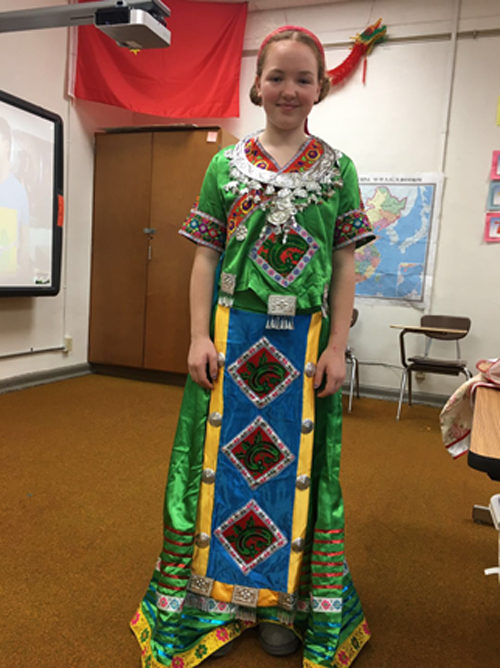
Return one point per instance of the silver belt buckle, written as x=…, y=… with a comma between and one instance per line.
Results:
x=281, y=311
x=227, y=288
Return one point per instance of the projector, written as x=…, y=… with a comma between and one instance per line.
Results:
x=135, y=24
x=133, y=28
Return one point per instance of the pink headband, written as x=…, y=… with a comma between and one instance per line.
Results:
x=295, y=29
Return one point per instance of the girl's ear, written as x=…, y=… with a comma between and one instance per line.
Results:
x=318, y=91
x=257, y=85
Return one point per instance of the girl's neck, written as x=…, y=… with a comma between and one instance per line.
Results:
x=282, y=145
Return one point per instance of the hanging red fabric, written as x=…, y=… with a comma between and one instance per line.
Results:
x=198, y=76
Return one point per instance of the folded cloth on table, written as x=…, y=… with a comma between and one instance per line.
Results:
x=456, y=417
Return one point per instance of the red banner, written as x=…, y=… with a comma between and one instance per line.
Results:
x=198, y=76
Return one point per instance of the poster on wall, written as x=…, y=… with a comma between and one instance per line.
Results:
x=494, y=196
x=404, y=212
x=495, y=166
x=492, y=228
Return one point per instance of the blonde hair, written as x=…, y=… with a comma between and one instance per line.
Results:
x=297, y=36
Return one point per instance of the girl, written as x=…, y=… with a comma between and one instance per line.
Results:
x=254, y=529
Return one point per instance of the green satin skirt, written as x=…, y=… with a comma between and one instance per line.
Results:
x=253, y=516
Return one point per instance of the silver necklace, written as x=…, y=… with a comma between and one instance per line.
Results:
x=282, y=195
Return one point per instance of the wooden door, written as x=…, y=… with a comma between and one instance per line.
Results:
x=119, y=248
x=180, y=159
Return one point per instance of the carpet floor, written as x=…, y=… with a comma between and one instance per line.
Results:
x=82, y=477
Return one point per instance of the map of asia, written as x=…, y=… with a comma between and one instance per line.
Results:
x=404, y=212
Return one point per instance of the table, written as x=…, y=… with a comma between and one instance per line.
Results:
x=432, y=330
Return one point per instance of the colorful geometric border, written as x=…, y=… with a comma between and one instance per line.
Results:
x=209, y=604
x=327, y=605
x=280, y=542
x=352, y=227
x=260, y=402
x=220, y=636
x=169, y=603
x=204, y=229
x=273, y=436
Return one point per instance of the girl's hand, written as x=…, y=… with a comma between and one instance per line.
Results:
x=332, y=365
x=202, y=362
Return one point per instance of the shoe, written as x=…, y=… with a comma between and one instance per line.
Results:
x=222, y=651
x=277, y=640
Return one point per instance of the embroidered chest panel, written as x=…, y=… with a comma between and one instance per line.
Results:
x=284, y=247
x=283, y=260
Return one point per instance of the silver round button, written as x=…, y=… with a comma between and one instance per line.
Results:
x=208, y=476
x=202, y=540
x=303, y=482
x=221, y=359
x=307, y=426
x=310, y=369
x=298, y=545
x=215, y=419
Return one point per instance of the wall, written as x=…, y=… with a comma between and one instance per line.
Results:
x=33, y=67
x=397, y=122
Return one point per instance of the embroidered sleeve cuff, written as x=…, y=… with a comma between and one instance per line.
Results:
x=205, y=230
x=353, y=227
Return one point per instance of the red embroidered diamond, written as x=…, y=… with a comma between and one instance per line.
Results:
x=263, y=373
x=258, y=453
x=250, y=536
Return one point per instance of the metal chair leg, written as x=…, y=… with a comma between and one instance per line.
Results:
x=357, y=378
x=354, y=365
x=401, y=392
x=409, y=388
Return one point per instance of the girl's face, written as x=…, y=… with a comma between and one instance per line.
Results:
x=288, y=84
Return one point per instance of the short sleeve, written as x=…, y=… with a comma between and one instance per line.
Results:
x=206, y=222
x=352, y=224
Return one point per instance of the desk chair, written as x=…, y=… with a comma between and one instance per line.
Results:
x=443, y=327
x=351, y=359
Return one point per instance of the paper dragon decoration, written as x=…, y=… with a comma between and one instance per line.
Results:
x=363, y=44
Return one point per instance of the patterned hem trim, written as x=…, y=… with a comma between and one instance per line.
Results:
x=219, y=637
x=360, y=240
x=353, y=226
x=349, y=649
x=193, y=657
x=205, y=229
x=226, y=603
x=200, y=242
x=205, y=217
x=169, y=603
x=351, y=214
